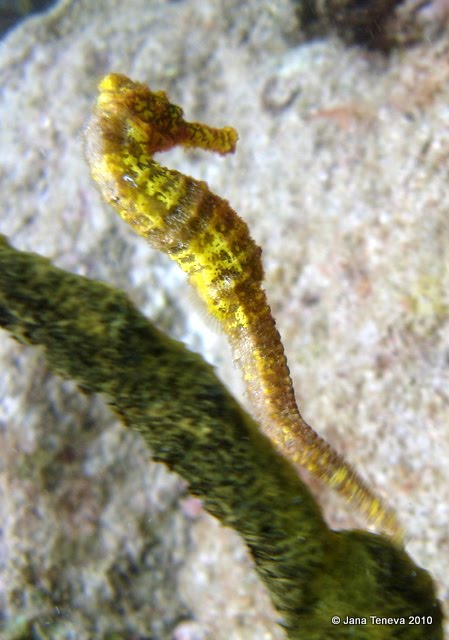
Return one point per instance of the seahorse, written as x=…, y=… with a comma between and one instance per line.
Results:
x=212, y=244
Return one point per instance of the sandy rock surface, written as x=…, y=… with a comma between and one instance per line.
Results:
x=342, y=174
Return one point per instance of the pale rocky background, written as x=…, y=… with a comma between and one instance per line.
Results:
x=342, y=174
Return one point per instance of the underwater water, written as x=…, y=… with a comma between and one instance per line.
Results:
x=340, y=173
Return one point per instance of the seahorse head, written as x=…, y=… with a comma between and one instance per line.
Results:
x=147, y=117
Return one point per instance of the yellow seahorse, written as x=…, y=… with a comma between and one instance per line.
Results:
x=204, y=235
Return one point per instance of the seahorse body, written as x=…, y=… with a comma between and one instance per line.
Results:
x=203, y=234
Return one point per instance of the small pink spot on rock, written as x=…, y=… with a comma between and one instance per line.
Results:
x=192, y=507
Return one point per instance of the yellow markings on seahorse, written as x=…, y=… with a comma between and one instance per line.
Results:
x=212, y=244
